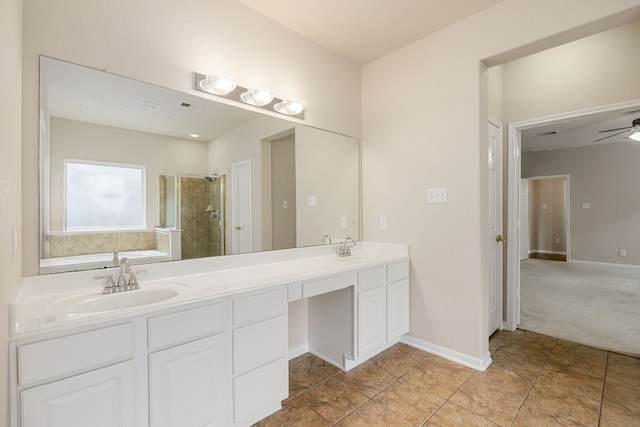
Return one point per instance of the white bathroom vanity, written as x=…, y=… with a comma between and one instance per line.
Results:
x=202, y=342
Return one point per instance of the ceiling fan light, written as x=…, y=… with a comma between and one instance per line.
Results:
x=635, y=136
x=290, y=107
x=218, y=84
x=257, y=97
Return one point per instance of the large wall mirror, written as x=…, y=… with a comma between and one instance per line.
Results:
x=158, y=175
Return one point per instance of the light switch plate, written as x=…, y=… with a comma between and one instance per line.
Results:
x=437, y=195
x=343, y=221
x=312, y=201
x=586, y=206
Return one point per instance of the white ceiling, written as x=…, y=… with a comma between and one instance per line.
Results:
x=364, y=30
x=581, y=132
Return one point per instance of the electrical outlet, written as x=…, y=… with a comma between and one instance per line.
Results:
x=383, y=223
x=312, y=201
x=343, y=221
x=437, y=195
x=557, y=240
x=622, y=252
x=285, y=204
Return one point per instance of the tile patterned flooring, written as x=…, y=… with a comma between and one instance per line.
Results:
x=534, y=380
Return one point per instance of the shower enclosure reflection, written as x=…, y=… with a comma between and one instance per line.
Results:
x=194, y=205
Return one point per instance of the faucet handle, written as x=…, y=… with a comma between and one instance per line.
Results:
x=133, y=279
x=109, y=286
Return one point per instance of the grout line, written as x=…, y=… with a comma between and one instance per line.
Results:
x=535, y=380
x=604, y=381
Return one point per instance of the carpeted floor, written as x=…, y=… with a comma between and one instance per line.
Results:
x=588, y=304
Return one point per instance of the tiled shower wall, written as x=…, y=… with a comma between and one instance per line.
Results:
x=95, y=243
x=201, y=233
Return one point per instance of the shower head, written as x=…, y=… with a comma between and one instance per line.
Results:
x=208, y=178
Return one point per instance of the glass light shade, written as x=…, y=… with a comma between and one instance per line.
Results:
x=257, y=97
x=218, y=84
x=290, y=107
x=635, y=136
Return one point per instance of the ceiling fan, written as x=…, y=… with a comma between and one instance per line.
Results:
x=635, y=125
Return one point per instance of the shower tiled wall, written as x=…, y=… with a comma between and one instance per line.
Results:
x=201, y=233
x=95, y=243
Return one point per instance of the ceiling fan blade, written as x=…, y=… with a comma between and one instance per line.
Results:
x=611, y=136
x=612, y=130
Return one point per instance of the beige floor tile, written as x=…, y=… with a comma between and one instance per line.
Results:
x=531, y=416
x=413, y=403
x=306, y=371
x=555, y=400
x=502, y=381
x=398, y=359
x=294, y=413
x=581, y=350
x=623, y=370
x=451, y=415
x=490, y=404
x=572, y=381
x=441, y=379
x=367, y=378
x=516, y=363
x=610, y=416
x=622, y=397
x=333, y=399
x=373, y=414
x=561, y=361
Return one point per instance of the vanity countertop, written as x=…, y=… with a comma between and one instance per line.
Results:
x=34, y=308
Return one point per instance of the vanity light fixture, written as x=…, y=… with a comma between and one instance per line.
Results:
x=635, y=136
x=257, y=97
x=221, y=85
x=290, y=107
x=218, y=84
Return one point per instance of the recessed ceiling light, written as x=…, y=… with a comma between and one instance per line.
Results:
x=194, y=135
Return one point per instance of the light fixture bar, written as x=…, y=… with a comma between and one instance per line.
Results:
x=291, y=108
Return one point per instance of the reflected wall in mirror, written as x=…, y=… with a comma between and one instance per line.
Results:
x=247, y=182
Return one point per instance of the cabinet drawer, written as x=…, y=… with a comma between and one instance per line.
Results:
x=74, y=353
x=369, y=279
x=260, y=343
x=323, y=286
x=261, y=306
x=398, y=271
x=260, y=388
x=174, y=328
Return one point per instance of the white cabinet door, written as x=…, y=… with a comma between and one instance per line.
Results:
x=186, y=384
x=100, y=398
x=372, y=320
x=397, y=309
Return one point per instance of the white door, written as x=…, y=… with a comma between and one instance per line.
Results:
x=525, y=238
x=241, y=232
x=100, y=398
x=187, y=384
x=495, y=227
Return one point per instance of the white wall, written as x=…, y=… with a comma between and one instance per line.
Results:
x=10, y=173
x=606, y=176
x=160, y=155
x=597, y=70
x=163, y=42
x=428, y=129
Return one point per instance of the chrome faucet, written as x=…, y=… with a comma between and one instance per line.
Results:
x=344, y=249
x=326, y=240
x=122, y=284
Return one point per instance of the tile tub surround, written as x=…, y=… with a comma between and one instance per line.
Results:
x=204, y=278
x=534, y=381
x=71, y=244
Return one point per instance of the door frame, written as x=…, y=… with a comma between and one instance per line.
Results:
x=514, y=169
x=499, y=226
x=235, y=200
x=567, y=205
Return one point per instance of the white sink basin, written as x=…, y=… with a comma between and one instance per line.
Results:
x=99, y=303
x=362, y=258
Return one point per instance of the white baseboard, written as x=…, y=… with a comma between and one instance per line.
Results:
x=605, y=264
x=298, y=351
x=545, y=251
x=454, y=356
